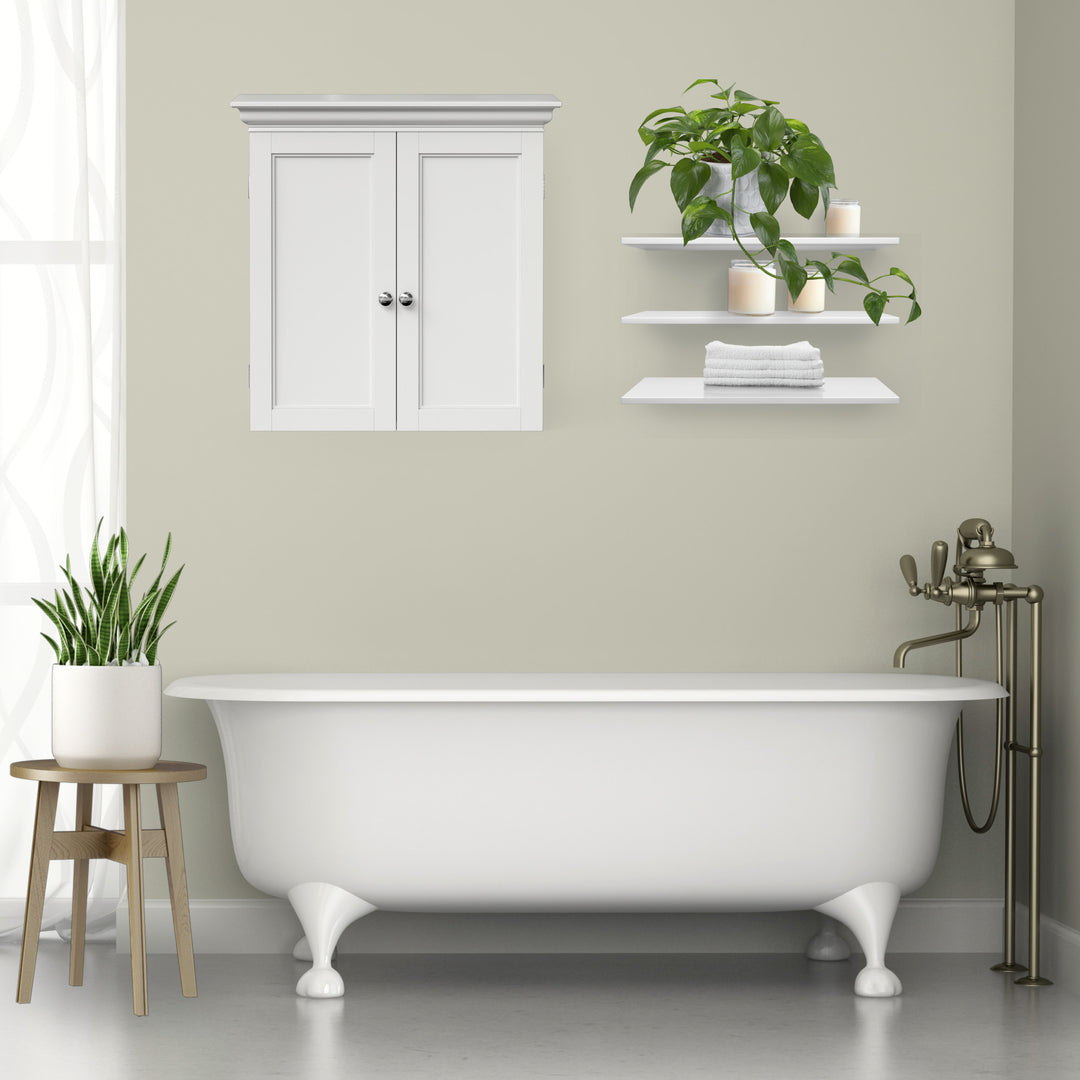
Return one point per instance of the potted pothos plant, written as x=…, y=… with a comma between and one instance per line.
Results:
x=106, y=682
x=754, y=151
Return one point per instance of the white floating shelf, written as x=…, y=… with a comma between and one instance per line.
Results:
x=789, y=318
x=693, y=391
x=727, y=243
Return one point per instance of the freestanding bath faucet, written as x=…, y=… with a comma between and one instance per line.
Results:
x=976, y=554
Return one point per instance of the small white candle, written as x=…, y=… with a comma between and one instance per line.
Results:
x=812, y=297
x=842, y=218
x=751, y=291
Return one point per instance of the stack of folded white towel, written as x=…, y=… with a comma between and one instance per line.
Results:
x=798, y=364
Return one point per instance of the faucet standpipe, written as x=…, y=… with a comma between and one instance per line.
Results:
x=976, y=553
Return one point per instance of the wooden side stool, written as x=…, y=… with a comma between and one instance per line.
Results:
x=129, y=847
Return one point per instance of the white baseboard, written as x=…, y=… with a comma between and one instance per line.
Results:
x=1059, y=951
x=269, y=926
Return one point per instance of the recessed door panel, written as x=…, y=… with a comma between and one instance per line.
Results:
x=469, y=252
x=470, y=234
x=331, y=209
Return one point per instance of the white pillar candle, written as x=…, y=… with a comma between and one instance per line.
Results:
x=751, y=291
x=842, y=218
x=812, y=297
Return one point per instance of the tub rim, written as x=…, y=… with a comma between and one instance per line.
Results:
x=538, y=687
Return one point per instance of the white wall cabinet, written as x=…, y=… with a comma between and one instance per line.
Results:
x=396, y=261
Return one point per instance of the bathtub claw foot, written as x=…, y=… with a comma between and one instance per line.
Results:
x=324, y=912
x=826, y=944
x=877, y=982
x=868, y=912
x=319, y=982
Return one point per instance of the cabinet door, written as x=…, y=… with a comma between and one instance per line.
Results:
x=469, y=250
x=322, y=249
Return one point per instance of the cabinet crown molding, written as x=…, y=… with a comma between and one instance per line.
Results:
x=395, y=110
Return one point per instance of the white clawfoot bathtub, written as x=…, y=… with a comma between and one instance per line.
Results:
x=545, y=793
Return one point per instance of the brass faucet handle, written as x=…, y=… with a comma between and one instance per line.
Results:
x=911, y=573
x=939, y=556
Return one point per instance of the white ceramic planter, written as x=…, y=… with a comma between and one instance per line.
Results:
x=106, y=717
x=747, y=198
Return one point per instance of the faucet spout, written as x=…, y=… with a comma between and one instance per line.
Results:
x=900, y=656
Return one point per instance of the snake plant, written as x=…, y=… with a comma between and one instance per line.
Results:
x=97, y=624
x=790, y=161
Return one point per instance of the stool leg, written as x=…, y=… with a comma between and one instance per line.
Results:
x=84, y=801
x=169, y=808
x=133, y=830
x=44, y=820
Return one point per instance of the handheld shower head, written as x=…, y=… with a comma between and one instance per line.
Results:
x=976, y=551
x=985, y=558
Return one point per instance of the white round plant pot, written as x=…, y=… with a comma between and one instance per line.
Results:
x=747, y=198
x=106, y=717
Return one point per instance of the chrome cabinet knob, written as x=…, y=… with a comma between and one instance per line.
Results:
x=405, y=299
x=386, y=299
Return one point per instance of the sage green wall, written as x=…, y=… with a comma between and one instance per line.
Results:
x=620, y=538
x=1046, y=390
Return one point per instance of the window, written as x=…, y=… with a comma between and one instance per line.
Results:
x=61, y=350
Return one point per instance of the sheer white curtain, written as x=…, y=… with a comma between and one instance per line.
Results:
x=61, y=366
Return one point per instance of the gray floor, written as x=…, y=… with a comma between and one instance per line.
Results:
x=517, y=1017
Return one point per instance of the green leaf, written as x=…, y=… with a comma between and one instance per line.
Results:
x=786, y=250
x=97, y=575
x=657, y=112
x=64, y=600
x=804, y=197
x=824, y=189
x=56, y=648
x=808, y=160
x=658, y=146
x=648, y=134
x=897, y=272
x=151, y=651
x=797, y=126
x=110, y=551
x=131, y=579
x=744, y=159
x=767, y=230
x=742, y=95
x=773, y=185
x=741, y=108
x=698, y=82
x=699, y=215
x=874, y=303
x=825, y=271
x=915, y=311
x=769, y=128
x=104, y=642
x=140, y=621
x=50, y=612
x=688, y=177
x=163, y=603
x=643, y=174
x=850, y=264
x=794, y=276
x=76, y=592
x=123, y=610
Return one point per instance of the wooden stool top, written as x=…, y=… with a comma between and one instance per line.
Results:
x=164, y=772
